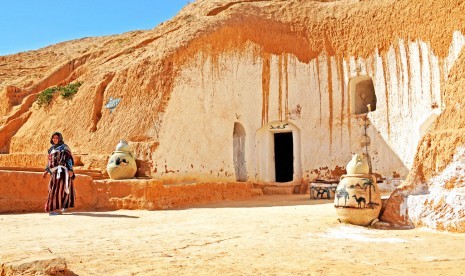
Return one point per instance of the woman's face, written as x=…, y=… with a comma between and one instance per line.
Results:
x=55, y=139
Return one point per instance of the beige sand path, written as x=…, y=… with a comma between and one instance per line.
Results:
x=270, y=235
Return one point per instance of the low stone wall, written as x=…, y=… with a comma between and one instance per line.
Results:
x=25, y=160
x=152, y=194
x=27, y=192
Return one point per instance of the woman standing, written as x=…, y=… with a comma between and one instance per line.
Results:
x=61, y=194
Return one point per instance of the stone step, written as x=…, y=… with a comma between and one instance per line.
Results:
x=91, y=165
x=94, y=174
x=278, y=188
x=257, y=192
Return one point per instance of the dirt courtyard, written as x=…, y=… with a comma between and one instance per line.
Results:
x=269, y=235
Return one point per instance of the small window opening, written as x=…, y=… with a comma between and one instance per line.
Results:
x=362, y=94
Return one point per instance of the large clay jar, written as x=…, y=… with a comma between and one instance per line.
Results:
x=122, y=164
x=358, y=199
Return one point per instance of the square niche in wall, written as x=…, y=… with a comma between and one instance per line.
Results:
x=362, y=95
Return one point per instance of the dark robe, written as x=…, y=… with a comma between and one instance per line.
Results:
x=59, y=196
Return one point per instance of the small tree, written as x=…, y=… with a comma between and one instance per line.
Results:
x=369, y=183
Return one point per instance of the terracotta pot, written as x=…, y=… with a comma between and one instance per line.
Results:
x=358, y=199
x=122, y=164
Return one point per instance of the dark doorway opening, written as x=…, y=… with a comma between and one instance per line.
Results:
x=284, y=156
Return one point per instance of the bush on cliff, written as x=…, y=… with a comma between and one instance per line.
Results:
x=67, y=92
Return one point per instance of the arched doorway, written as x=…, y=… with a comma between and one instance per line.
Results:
x=278, y=145
x=239, y=152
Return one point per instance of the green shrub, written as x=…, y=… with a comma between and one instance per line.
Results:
x=67, y=92
x=46, y=96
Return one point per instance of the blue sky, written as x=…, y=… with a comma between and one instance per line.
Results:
x=33, y=24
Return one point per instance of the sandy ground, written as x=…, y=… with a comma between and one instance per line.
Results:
x=269, y=235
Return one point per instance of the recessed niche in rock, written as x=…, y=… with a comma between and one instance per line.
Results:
x=362, y=95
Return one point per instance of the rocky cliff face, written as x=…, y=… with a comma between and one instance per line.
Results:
x=434, y=191
x=269, y=66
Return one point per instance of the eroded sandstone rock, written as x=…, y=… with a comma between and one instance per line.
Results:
x=35, y=265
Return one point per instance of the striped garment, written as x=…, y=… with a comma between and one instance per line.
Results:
x=61, y=193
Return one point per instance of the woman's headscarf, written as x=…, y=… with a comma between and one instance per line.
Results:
x=60, y=140
x=61, y=147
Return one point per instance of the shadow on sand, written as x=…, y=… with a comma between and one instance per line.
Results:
x=267, y=201
x=98, y=215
